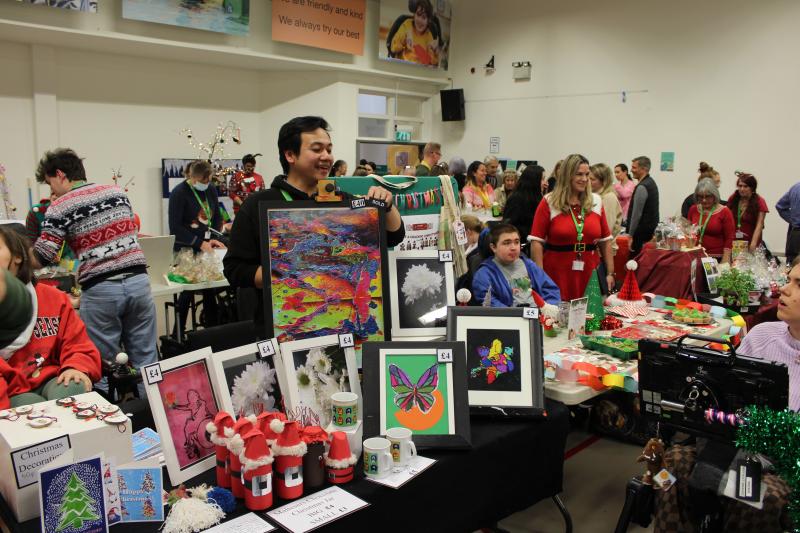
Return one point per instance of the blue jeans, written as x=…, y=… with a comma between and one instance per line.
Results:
x=122, y=312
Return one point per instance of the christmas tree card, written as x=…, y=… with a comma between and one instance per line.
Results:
x=140, y=494
x=71, y=498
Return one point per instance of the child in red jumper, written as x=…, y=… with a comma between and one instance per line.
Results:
x=53, y=357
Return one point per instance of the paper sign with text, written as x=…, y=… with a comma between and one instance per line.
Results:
x=331, y=24
x=316, y=510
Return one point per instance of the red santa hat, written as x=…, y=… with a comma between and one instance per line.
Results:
x=339, y=455
x=256, y=452
x=629, y=294
x=537, y=299
x=263, y=422
x=242, y=426
x=216, y=429
x=288, y=441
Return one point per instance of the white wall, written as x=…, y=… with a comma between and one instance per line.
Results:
x=713, y=81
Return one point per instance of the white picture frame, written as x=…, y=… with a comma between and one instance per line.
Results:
x=241, y=357
x=410, y=295
x=317, y=398
x=183, y=377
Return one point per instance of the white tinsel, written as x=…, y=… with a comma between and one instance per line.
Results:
x=421, y=282
x=252, y=388
x=190, y=515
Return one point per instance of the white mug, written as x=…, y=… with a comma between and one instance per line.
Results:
x=403, y=448
x=344, y=409
x=377, y=457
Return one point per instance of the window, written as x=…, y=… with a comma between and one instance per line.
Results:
x=380, y=115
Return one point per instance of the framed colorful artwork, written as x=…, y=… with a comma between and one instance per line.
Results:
x=327, y=271
x=312, y=370
x=421, y=386
x=504, y=365
x=183, y=401
x=246, y=383
x=421, y=287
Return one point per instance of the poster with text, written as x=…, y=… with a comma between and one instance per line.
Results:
x=415, y=31
x=333, y=25
x=222, y=16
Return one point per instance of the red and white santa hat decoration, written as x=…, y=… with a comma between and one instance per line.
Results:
x=256, y=460
x=216, y=429
x=289, y=450
x=629, y=294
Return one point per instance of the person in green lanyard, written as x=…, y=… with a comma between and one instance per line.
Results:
x=305, y=151
x=194, y=217
x=715, y=224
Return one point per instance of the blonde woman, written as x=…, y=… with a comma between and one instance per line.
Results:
x=509, y=184
x=603, y=185
x=571, y=225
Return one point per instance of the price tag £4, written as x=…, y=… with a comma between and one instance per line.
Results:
x=266, y=348
x=530, y=312
x=444, y=355
x=346, y=340
x=445, y=256
x=152, y=374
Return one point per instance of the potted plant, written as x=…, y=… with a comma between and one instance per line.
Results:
x=734, y=286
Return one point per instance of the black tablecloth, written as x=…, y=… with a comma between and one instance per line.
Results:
x=511, y=466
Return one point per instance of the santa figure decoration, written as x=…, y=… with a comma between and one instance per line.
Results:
x=629, y=295
x=256, y=459
x=289, y=450
x=235, y=446
x=313, y=467
x=339, y=461
x=216, y=429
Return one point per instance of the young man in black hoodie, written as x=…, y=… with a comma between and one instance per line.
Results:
x=306, y=154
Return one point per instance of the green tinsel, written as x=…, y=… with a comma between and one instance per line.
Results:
x=776, y=434
x=592, y=324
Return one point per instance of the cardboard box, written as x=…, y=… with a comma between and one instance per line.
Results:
x=24, y=449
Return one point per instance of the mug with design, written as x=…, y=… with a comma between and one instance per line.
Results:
x=403, y=448
x=377, y=457
x=344, y=409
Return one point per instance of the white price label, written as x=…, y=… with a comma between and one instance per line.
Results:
x=445, y=256
x=346, y=340
x=530, y=312
x=444, y=355
x=153, y=374
x=461, y=232
x=266, y=348
x=358, y=203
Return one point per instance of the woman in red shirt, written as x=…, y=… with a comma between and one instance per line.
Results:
x=748, y=209
x=53, y=357
x=569, y=228
x=715, y=226
x=245, y=182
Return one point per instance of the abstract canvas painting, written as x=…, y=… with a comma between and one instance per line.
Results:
x=222, y=16
x=408, y=386
x=88, y=6
x=314, y=369
x=326, y=269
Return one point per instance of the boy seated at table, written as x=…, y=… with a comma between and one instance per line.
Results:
x=509, y=275
x=53, y=356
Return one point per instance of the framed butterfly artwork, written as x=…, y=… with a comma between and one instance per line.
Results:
x=504, y=362
x=421, y=386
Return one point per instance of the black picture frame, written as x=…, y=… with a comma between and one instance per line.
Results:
x=265, y=208
x=374, y=388
x=528, y=401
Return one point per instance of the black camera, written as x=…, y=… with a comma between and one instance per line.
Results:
x=679, y=383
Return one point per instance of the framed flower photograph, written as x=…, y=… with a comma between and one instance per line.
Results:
x=312, y=370
x=421, y=287
x=183, y=401
x=327, y=271
x=504, y=365
x=406, y=385
x=246, y=384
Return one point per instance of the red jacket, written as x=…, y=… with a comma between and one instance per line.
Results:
x=59, y=341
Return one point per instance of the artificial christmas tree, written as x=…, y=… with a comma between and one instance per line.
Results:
x=594, y=306
x=77, y=506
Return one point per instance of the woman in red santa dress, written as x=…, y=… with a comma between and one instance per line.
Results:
x=569, y=229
